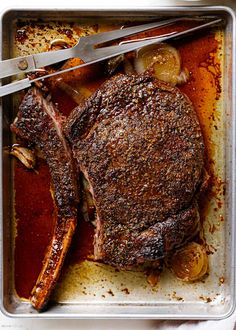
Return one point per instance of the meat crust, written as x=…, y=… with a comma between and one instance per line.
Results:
x=139, y=144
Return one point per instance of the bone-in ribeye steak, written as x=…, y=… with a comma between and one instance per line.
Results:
x=139, y=144
x=40, y=123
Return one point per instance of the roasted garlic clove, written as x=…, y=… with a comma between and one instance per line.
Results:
x=190, y=263
x=113, y=63
x=59, y=43
x=26, y=156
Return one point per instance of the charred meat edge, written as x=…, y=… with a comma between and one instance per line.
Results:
x=40, y=123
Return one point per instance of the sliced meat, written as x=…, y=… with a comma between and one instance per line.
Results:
x=40, y=123
x=139, y=144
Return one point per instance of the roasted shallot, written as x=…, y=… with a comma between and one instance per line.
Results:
x=190, y=263
x=162, y=61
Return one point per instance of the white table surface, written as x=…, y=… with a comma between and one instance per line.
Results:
x=32, y=324
x=27, y=324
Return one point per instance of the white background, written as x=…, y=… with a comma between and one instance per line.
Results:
x=27, y=324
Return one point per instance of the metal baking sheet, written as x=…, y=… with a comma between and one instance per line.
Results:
x=93, y=290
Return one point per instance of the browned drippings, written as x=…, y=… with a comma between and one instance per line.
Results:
x=34, y=216
x=33, y=201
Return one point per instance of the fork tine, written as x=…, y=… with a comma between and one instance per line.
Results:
x=120, y=33
x=110, y=51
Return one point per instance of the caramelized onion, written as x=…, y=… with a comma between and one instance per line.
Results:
x=79, y=75
x=161, y=60
x=190, y=263
x=88, y=206
x=128, y=67
x=113, y=63
x=153, y=278
x=78, y=94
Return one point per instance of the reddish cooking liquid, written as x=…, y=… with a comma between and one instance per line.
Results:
x=34, y=216
x=33, y=201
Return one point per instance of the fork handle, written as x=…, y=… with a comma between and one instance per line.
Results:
x=48, y=58
x=32, y=62
x=14, y=87
x=16, y=65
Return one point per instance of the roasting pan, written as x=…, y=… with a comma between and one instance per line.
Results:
x=213, y=298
